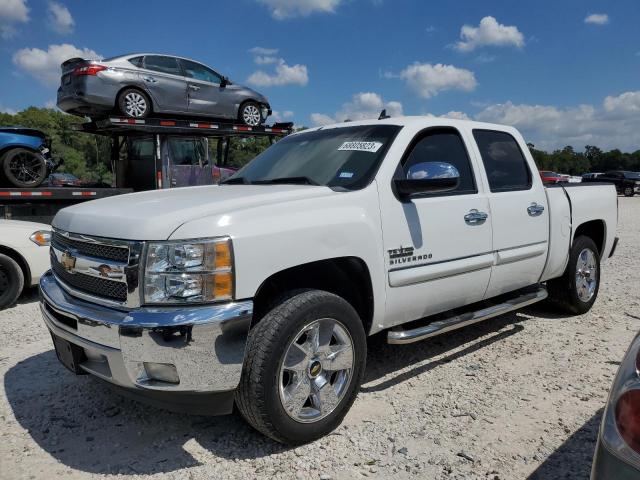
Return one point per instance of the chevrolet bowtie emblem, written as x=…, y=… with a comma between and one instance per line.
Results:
x=68, y=261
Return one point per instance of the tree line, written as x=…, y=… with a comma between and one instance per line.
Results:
x=87, y=156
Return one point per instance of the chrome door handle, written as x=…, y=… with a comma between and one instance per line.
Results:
x=149, y=79
x=194, y=87
x=535, y=210
x=474, y=217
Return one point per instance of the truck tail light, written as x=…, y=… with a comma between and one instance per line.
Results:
x=92, y=69
x=628, y=418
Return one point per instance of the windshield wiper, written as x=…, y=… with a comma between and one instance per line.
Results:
x=235, y=181
x=295, y=180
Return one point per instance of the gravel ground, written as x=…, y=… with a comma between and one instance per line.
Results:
x=519, y=396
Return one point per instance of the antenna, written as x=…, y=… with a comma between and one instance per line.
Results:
x=383, y=114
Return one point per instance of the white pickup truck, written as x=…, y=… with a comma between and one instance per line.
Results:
x=261, y=291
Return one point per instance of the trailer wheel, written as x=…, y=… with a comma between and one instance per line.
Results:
x=11, y=281
x=250, y=114
x=576, y=291
x=303, y=367
x=23, y=168
x=134, y=103
x=628, y=191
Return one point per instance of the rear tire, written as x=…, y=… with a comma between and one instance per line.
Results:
x=576, y=291
x=295, y=389
x=250, y=114
x=134, y=103
x=11, y=281
x=22, y=168
x=628, y=191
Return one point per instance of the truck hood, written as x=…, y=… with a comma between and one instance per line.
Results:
x=154, y=215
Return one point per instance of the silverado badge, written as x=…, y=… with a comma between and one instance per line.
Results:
x=68, y=261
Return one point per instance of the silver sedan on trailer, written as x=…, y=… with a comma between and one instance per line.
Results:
x=136, y=85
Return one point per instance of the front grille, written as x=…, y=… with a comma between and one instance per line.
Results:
x=92, y=285
x=96, y=250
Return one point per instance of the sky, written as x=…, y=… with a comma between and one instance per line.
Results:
x=565, y=72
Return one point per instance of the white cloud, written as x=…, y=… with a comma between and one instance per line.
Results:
x=266, y=59
x=363, y=106
x=11, y=13
x=489, y=32
x=45, y=65
x=281, y=9
x=284, y=75
x=597, y=19
x=283, y=116
x=456, y=115
x=263, y=51
x=8, y=110
x=614, y=125
x=60, y=18
x=428, y=80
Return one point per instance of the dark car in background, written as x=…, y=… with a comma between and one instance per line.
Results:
x=137, y=85
x=25, y=157
x=64, y=179
x=627, y=183
x=617, y=454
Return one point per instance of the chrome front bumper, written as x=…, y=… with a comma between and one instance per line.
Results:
x=205, y=344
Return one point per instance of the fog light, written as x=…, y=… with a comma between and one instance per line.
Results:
x=164, y=372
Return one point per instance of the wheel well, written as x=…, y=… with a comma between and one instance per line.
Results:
x=24, y=266
x=11, y=147
x=595, y=230
x=133, y=87
x=347, y=277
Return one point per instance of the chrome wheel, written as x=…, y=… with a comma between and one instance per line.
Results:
x=135, y=105
x=251, y=115
x=586, y=275
x=316, y=370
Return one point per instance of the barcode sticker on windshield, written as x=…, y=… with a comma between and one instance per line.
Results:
x=372, y=147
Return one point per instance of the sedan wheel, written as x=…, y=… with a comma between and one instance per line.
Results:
x=24, y=168
x=134, y=104
x=250, y=114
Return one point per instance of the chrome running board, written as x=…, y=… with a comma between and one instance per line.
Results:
x=458, y=321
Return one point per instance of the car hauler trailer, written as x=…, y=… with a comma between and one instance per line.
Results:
x=146, y=154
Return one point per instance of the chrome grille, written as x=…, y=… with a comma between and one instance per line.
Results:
x=96, y=269
x=116, y=291
x=91, y=249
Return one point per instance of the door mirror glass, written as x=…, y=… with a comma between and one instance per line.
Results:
x=427, y=177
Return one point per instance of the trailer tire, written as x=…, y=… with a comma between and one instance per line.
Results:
x=134, y=103
x=628, y=191
x=11, y=281
x=576, y=290
x=23, y=168
x=288, y=390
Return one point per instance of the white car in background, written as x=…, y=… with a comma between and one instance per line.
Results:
x=24, y=257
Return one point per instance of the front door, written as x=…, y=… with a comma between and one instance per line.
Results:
x=163, y=79
x=519, y=212
x=204, y=91
x=437, y=247
x=188, y=161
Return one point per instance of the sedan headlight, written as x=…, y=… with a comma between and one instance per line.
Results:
x=189, y=271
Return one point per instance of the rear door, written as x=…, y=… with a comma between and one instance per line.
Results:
x=164, y=80
x=204, y=91
x=519, y=213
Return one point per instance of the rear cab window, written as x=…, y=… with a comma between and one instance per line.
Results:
x=505, y=164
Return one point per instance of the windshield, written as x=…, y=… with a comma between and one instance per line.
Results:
x=343, y=158
x=632, y=175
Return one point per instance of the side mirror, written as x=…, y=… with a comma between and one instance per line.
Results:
x=224, y=82
x=427, y=177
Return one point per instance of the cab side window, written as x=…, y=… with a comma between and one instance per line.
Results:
x=200, y=72
x=506, y=167
x=161, y=64
x=443, y=146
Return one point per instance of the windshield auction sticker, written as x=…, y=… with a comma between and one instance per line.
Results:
x=372, y=147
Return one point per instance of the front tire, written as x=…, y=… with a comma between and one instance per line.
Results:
x=576, y=291
x=134, y=103
x=11, y=281
x=250, y=114
x=303, y=368
x=23, y=168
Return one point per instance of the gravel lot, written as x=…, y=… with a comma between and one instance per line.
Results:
x=519, y=396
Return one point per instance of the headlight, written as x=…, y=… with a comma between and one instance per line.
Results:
x=189, y=271
x=41, y=238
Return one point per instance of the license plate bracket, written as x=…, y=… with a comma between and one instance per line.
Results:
x=70, y=355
